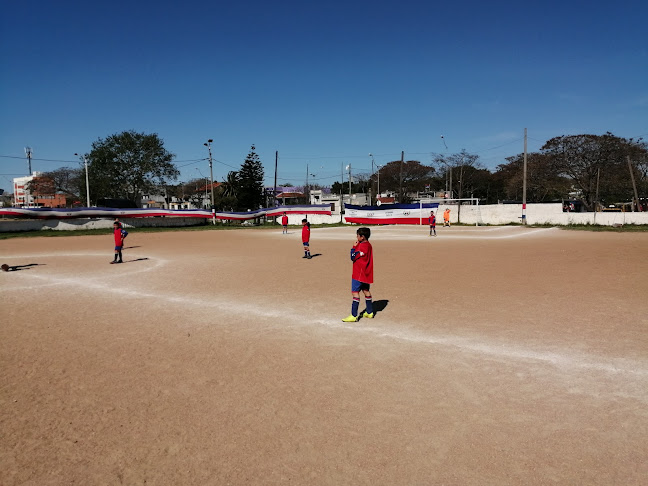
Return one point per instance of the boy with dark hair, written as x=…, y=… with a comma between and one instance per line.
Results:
x=119, y=235
x=306, y=238
x=284, y=223
x=432, y=221
x=362, y=275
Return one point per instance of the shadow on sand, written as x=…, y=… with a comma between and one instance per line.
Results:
x=17, y=268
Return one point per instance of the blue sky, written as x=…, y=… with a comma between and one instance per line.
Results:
x=323, y=83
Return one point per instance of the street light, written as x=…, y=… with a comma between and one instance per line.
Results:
x=378, y=172
x=348, y=167
x=211, y=177
x=372, y=173
x=85, y=162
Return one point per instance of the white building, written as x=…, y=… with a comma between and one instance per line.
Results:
x=22, y=196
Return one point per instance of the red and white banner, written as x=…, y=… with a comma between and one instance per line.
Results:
x=389, y=213
x=68, y=213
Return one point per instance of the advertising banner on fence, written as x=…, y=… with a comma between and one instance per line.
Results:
x=67, y=213
x=389, y=213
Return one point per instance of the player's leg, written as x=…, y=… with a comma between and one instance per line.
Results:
x=355, y=304
x=368, y=302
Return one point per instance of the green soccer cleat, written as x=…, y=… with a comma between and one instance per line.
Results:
x=366, y=315
x=350, y=318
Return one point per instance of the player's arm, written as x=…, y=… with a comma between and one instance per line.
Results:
x=357, y=253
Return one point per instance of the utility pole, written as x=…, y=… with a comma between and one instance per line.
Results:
x=274, y=194
x=306, y=188
x=524, y=180
x=460, y=190
x=400, y=183
x=596, y=204
x=634, y=185
x=85, y=163
x=349, y=167
x=341, y=193
x=372, y=176
x=211, y=178
x=28, y=153
x=450, y=182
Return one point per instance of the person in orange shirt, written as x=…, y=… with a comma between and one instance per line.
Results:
x=446, y=217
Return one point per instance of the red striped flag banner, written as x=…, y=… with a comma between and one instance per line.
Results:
x=389, y=213
x=69, y=213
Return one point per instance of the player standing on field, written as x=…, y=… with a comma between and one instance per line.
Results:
x=362, y=275
x=119, y=235
x=284, y=223
x=306, y=238
x=432, y=221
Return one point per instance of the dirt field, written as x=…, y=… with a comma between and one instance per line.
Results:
x=499, y=356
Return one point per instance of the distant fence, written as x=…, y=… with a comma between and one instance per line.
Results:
x=101, y=212
x=492, y=214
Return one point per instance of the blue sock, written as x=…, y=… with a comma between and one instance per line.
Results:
x=369, y=304
x=355, y=305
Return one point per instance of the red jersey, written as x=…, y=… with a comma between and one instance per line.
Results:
x=119, y=234
x=284, y=220
x=305, y=234
x=432, y=220
x=363, y=263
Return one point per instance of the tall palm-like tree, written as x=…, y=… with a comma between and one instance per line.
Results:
x=231, y=185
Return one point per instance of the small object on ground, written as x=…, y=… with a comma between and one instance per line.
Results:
x=5, y=267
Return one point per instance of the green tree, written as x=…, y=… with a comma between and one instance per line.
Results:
x=404, y=178
x=128, y=165
x=250, y=187
x=68, y=181
x=591, y=161
x=460, y=172
x=543, y=184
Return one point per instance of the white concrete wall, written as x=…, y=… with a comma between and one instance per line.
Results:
x=11, y=225
x=493, y=214
x=551, y=213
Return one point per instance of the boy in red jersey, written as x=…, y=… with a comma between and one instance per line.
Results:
x=362, y=275
x=306, y=238
x=432, y=221
x=119, y=235
x=284, y=223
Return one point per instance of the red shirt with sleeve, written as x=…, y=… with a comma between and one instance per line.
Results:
x=432, y=220
x=119, y=234
x=284, y=220
x=305, y=234
x=363, y=263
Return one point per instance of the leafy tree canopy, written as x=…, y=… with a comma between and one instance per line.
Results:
x=590, y=159
x=66, y=180
x=128, y=165
x=250, y=182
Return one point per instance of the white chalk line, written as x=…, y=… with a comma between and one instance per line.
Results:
x=422, y=232
x=390, y=330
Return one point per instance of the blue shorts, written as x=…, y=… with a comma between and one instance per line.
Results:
x=357, y=285
x=118, y=248
x=306, y=243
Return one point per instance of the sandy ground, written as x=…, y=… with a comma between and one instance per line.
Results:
x=499, y=356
